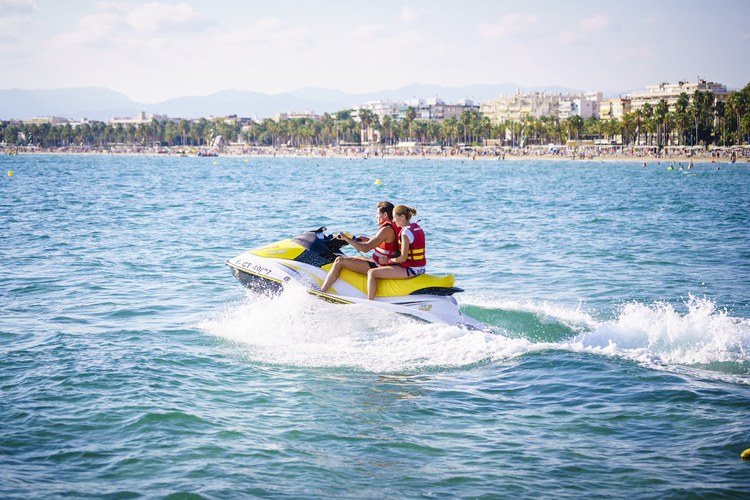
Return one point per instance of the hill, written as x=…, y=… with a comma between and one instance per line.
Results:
x=97, y=103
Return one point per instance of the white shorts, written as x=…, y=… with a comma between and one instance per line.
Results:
x=415, y=271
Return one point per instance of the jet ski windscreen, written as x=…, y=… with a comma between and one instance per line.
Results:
x=318, y=242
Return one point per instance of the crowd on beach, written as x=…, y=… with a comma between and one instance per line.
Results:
x=640, y=153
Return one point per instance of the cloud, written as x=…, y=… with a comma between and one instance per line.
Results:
x=408, y=14
x=368, y=30
x=587, y=27
x=271, y=32
x=596, y=23
x=569, y=37
x=7, y=44
x=142, y=25
x=529, y=25
x=512, y=25
x=14, y=14
x=155, y=17
x=17, y=7
x=94, y=30
x=411, y=38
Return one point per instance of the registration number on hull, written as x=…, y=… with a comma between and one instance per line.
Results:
x=256, y=268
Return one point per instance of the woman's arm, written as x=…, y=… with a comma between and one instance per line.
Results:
x=404, y=250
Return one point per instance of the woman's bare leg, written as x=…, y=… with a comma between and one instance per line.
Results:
x=356, y=264
x=386, y=272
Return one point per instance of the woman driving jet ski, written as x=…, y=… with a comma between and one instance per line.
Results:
x=384, y=244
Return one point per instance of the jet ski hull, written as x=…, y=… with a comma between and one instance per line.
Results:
x=255, y=282
x=269, y=269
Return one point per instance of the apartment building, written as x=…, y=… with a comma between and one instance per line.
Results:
x=610, y=109
x=537, y=104
x=425, y=109
x=585, y=106
x=516, y=107
x=671, y=91
x=382, y=108
x=44, y=120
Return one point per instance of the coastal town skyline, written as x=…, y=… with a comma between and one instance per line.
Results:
x=152, y=51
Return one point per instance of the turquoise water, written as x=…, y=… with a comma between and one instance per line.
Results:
x=133, y=364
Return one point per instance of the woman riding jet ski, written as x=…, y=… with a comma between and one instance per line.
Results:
x=306, y=259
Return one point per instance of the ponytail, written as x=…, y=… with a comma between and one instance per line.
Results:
x=409, y=212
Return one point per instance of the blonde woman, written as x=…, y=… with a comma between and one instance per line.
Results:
x=411, y=262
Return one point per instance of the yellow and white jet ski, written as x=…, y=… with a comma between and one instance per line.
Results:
x=306, y=259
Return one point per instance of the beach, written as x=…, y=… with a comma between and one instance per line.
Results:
x=641, y=154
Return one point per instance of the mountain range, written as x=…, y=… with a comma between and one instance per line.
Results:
x=97, y=103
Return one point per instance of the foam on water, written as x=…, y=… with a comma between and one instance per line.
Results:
x=297, y=329
x=546, y=312
x=659, y=335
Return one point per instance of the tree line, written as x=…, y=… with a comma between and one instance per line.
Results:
x=696, y=119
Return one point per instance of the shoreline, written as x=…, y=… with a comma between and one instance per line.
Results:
x=727, y=155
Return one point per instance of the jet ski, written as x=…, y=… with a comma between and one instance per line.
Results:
x=306, y=259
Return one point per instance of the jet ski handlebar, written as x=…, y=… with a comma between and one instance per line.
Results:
x=317, y=241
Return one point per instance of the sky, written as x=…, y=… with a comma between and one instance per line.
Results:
x=156, y=50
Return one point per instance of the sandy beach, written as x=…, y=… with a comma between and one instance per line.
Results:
x=640, y=154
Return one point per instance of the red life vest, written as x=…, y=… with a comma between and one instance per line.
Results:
x=385, y=251
x=416, y=257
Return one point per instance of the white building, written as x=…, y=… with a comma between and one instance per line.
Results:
x=585, y=106
x=614, y=108
x=671, y=91
x=382, y=108
x=293, y=115
x=516, y=108
x=425, y=109
x=140, y=119
x=42, y=120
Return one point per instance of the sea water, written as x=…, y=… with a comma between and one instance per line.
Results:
x=133, y=364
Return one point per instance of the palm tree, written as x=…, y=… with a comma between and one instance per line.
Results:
x=630, y=125
x=409, y=117
x=450, y=130
x=660, y=114
x=594, y=127
x=614, y=129
x=131, y=132
x=142, y=133
x=66, y=134
x=485, y=126
x=557, y=130
x=720, y=122
x=647, y=116
x=387, y=123
x=701, y=109
x=738, y=104
x=171, y=132
x=366, y=118
x=575, y=124
x=681, y=116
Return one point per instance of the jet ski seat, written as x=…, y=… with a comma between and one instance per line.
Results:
x=422, y=284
